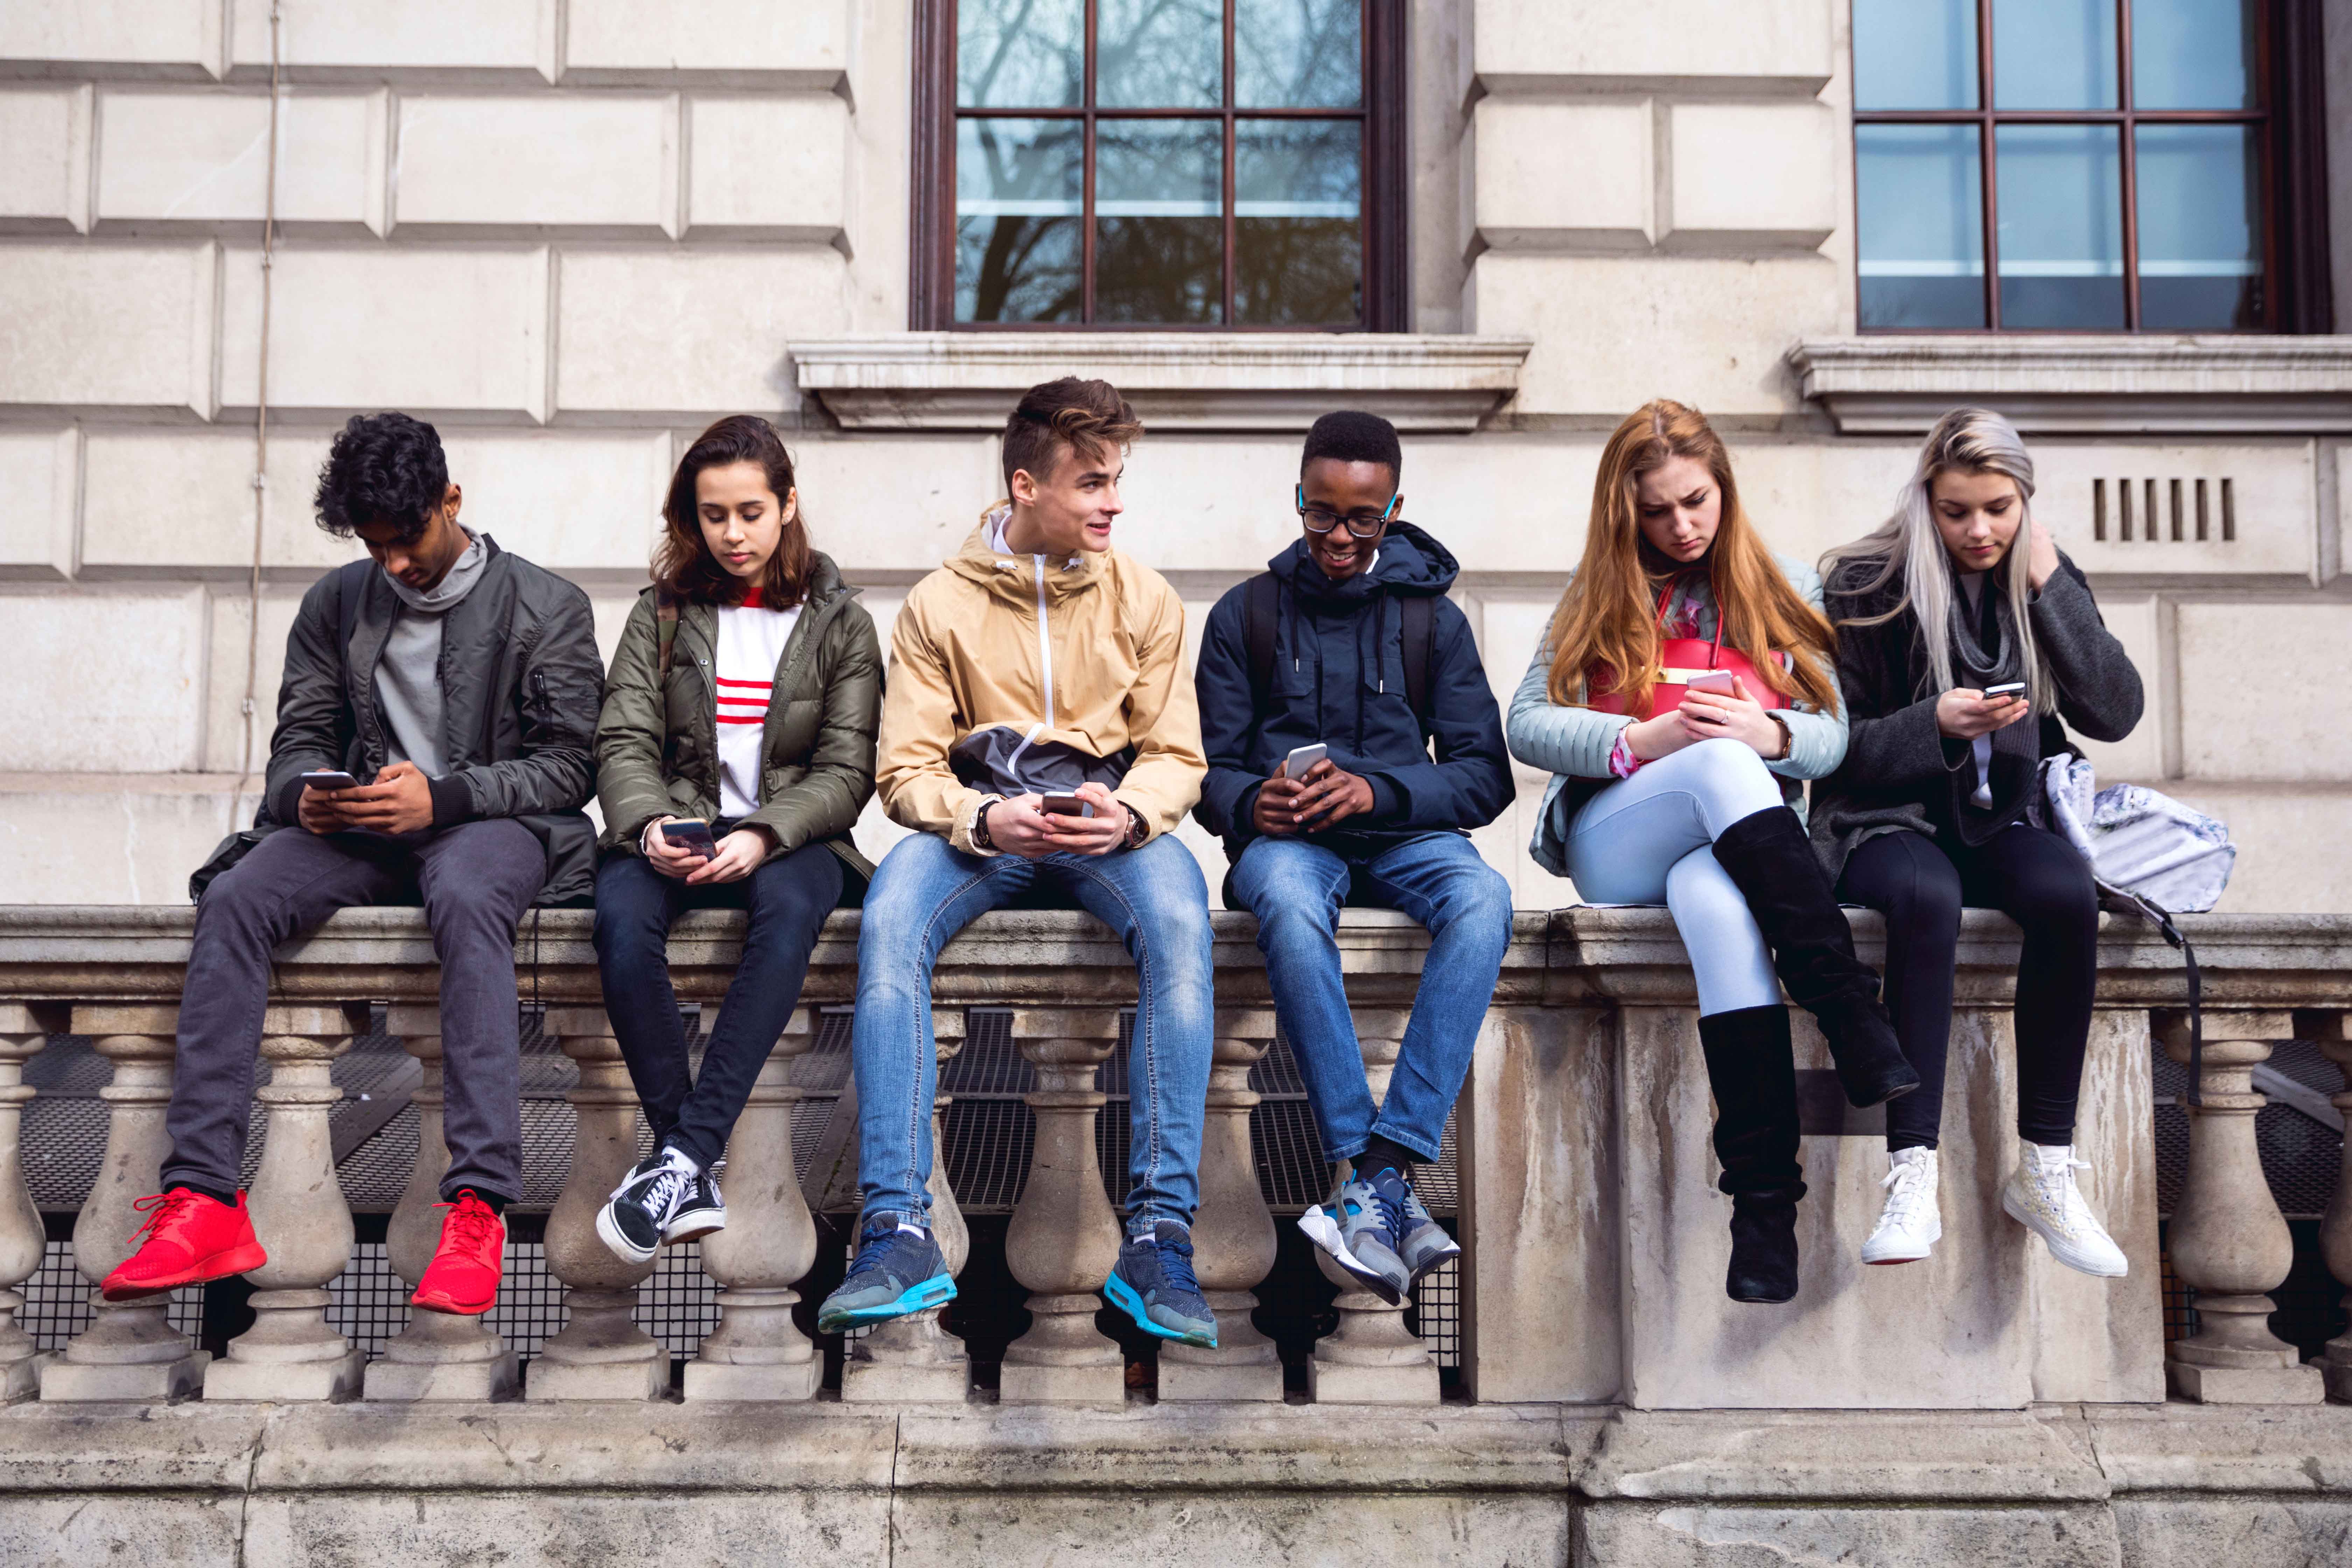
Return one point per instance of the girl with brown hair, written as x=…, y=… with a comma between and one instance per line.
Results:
x=1686, y=690
x=734, y=753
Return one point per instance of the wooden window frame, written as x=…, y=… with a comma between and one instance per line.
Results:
x=2291, y=154
x=1386, y=175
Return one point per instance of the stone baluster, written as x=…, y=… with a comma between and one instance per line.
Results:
x=1371, y=1358
x=914, y=1359
x=2334, y=1033
x=2228, y=1240
x=1064, y=1237
x=439, y=1355
x=1233, y=1234
x=601, y=1353
x=302, y=1219
x=24, y=1030
x=129, y=1351
x=758, y=1352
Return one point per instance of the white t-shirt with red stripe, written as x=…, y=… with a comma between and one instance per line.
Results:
x=751, y=641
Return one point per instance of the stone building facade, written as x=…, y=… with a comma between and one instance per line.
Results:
x=571, y=231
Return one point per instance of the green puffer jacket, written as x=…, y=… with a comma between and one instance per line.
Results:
x=657, y=743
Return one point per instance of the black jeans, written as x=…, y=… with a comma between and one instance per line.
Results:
x=788, y=898
x=476, y=879
x=2037, y=880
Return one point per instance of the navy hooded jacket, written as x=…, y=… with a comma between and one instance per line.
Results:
x=1329, y=685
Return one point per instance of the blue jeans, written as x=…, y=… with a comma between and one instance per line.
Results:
x=924, y=893
x=1296, y=890
x=788, y=898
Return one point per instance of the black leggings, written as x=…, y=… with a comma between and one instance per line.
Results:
x=2037, y=880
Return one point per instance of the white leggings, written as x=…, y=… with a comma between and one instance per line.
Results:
x=1646, y=840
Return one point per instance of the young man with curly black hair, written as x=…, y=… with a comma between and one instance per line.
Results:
x=458, y=686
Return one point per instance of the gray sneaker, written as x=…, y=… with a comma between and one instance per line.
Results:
x=1359, y=1228
x=1426, y=1245
x=1153, y=1284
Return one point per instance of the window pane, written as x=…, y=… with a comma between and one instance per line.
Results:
x=2192, y=54
x=1020, y=53
x=1915, y=54
x=1159, y=54
x=1298, y=54
x=2054, y=54
x=2200, y=243
x=1019, y=188
x=2061, y=225
x=1299, y=237
x=1160, y=226
x=1919, y=199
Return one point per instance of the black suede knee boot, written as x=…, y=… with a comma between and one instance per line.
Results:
x=1751, y=1066
x=1772, y=860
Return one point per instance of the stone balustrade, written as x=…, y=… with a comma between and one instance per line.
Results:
x=1593, y=1238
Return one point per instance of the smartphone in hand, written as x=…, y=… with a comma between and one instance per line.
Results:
x=1722, y=683
x=1065, y=805
x=691, y=835
x=330, y=778
x=2006, y=689
x=1302, y=758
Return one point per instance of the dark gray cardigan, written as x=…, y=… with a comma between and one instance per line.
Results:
x=1902, y=771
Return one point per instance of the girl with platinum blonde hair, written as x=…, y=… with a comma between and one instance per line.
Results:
x=1967, y=644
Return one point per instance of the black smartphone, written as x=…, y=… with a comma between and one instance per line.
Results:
x=691, y=835
x=1065, y=805
x=330, y=778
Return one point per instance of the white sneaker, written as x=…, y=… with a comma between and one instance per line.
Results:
x=2041, y=1195
x=1911, y=1222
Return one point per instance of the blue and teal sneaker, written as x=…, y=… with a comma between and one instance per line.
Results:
x=898, y=1269
x=1153, y=1283
x=1361, y=1227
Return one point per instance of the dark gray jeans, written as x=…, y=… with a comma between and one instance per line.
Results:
x=476, y=880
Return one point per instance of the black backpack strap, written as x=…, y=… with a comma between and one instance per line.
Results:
x=1261, y=607
x=2149, y=908
x=1419, y=632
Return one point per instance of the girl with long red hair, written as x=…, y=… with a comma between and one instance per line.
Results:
x=1684, y=691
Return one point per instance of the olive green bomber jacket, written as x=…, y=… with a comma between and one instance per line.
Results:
x=657, y=750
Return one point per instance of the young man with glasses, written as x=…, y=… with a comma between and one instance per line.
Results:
x=1349, y=642
x=1038, y=664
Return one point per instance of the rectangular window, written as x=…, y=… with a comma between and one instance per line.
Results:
x=2077, y=166
x=1161, y=164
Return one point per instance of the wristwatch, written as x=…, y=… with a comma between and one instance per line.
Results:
x=1787, y=739
x=1136, y=831
x=980, y=838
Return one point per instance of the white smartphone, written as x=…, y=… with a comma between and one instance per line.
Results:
x=1302, y=758
x=1716, y=680
x=2006, y=689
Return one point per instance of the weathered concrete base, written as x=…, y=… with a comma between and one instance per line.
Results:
x=643, y=1378
x=1188, y=1374
x=781, y=1380
x=2245, y=1384
x=21, y=1378
x=473, y=1382
x=2337, y=1372
x=285, y=1382
x=1338, y=1382
x=152, y=1382
x=1020, y=1383
x=835, y=1486
x=867, y=1381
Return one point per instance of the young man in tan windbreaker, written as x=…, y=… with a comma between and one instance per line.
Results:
x=1038, y=664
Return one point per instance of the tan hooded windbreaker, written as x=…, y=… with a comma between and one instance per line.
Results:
x=1085, y=654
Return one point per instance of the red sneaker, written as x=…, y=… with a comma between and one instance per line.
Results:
x=191, y=1240
x=463, y=1277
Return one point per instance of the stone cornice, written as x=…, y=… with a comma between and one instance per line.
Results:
x=1177, y=380
x=2104, y=385
x=1570, y=957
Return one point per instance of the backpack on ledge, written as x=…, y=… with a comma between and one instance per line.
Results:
x=2150, y=856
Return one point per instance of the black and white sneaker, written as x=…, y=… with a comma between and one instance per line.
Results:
x=635, y=1219
x=700, y=1212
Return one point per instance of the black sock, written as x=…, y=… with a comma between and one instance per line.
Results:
x=498, y=1204
x=226, y=1196
x=1380, y=1153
